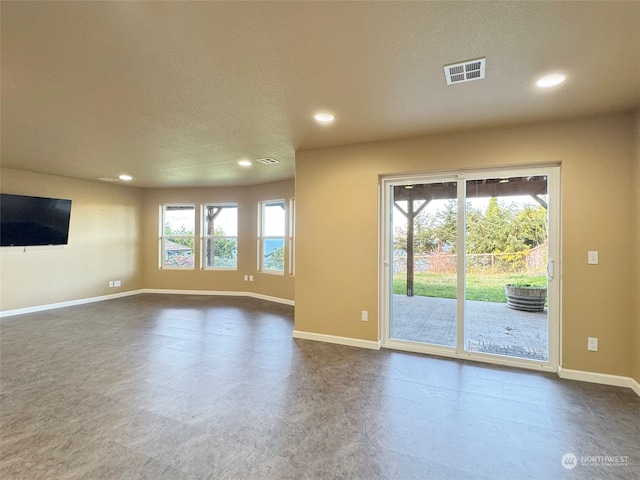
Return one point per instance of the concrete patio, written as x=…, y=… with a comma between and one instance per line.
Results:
x=489, y=327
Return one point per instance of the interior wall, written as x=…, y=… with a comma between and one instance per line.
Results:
x=247, y=198
x=337, y=226
x=635, y=355
x=104, y=233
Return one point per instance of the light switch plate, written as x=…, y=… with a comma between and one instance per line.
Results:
x=592, y=257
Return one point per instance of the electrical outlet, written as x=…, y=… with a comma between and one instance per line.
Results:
x=365, y=316
x=246, y=278
x=592, y=257
x=117, y=283
x=592, y=344
x=251, y=278
x=110, y=283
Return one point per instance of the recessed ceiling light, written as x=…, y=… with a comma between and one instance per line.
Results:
x=324, y=117
x=551, y=80
x=244, y=163
x=125, y=178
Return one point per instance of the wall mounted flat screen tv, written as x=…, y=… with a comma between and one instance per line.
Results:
x=31, y=221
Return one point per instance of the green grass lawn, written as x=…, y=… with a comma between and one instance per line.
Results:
x=483, y=287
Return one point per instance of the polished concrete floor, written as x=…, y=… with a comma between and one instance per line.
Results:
x=489, y=327
x=187, y=387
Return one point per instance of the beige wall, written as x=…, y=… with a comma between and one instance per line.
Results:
x=635, y=352
x=247, y=198
x=337, y=226
x=103, y=244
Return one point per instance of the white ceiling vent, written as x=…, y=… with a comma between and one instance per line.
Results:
x=465, y=71
x=267, y=160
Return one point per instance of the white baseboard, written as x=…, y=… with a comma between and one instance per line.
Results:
x=268, y=298
x=635, y=386
x=602, y=378
x=351, y=342
x=70, y=303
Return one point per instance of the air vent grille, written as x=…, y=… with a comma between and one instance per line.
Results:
x=465, y=71
x=267, y=160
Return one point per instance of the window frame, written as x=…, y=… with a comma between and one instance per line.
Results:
x=204, y=236
x=262, y=237
x=163, y=236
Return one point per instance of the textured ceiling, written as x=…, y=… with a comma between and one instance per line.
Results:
x=175, y=93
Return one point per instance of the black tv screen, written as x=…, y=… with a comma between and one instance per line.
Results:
x=30, y=221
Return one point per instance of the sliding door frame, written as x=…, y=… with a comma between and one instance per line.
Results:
x=552, y=171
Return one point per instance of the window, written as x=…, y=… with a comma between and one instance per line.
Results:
x=271, y=237
x=177, y=236
x=220, y=236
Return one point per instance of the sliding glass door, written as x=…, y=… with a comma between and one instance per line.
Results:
x=424, y=285
x=468, y=265
x=507, y=253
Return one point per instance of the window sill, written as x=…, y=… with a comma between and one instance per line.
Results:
x=273, y=272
